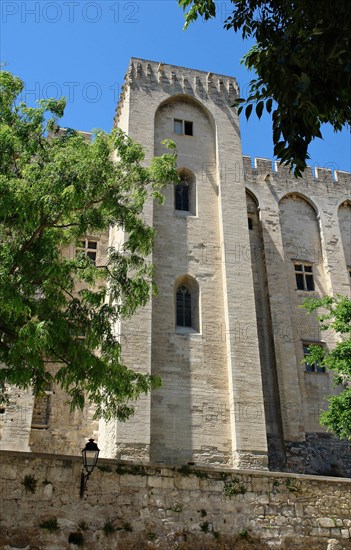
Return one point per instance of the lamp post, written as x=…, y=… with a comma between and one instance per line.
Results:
x=90, y=455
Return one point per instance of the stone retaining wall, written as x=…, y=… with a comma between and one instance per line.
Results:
x=149, y=506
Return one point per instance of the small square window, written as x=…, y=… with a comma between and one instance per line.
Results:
x=89, y=248
x=183, y=127
x=315, y=367
x=304, y=277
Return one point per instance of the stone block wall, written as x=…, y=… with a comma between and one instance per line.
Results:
x=130, y=506
x=304, y=220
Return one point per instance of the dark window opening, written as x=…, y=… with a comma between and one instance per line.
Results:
x=249, y=222
x=309, y=283
x=89, y=248
x=188, y=128
x=182, y=196
x=183, y=303
x=299, y=281
x=183, y=127
x=315, y=367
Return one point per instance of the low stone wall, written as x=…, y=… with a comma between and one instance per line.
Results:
x=154, y=507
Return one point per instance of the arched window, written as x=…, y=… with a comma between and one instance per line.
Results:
x=182, y=195
x=183, y=302
x=187, y=310
x=185, y=192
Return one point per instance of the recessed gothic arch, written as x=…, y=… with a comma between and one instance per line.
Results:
x=344, y=218
x=344, y=203
x=187, y=303
x=196, y=150
x=252, y=196
x=252, y=207
x=302, y=243
x=185, y=98
x=303, y=197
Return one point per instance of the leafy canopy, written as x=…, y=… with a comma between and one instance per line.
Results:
x=302, y=58
x=336, y=317
x=55, y=189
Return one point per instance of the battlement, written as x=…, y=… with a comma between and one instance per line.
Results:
x=154, y=75
x=261, y=166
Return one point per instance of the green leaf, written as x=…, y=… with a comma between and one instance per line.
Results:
x=248, y=111
x=259, y=108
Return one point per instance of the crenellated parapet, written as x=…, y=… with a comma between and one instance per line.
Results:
x=151, y=76
x=259, y=169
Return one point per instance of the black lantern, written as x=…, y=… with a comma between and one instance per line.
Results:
x=90, y=455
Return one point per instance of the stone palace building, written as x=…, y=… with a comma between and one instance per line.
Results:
x=240, y=245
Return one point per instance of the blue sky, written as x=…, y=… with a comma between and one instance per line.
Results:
x=81, y=49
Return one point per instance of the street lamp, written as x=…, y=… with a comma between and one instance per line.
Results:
x=90, y=455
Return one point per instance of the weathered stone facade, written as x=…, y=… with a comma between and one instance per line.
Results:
x=128, y=507
x=235, y=391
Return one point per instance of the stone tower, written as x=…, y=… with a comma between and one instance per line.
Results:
x=212, y=388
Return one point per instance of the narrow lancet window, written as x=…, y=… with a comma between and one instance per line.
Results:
x=183, y=307
x=182, y=195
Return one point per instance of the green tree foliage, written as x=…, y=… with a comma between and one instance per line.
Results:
x=55, y=188
x=336, y=317
x=302, y=58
